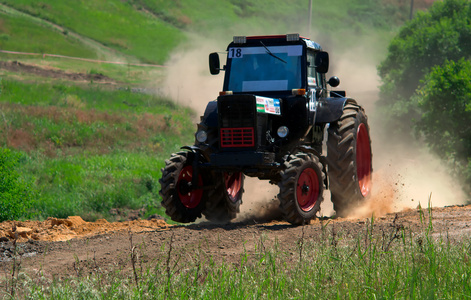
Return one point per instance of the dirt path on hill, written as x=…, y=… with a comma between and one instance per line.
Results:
x=102, y=51
x=50, y=72
x=64, y=247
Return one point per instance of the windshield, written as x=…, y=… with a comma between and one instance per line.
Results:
x=275, y=68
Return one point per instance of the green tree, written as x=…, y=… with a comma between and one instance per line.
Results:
x=431, y=38
x=16, y=196
x=445, y=100
x=427, y=82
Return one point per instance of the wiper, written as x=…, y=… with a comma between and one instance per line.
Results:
x=270, y=53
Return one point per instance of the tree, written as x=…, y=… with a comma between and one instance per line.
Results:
x=427, y=82
x=443, y=33
x=445, y=102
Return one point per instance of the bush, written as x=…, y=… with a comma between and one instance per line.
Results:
x=16, y=196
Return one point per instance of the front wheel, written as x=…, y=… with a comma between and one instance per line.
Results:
x=301, y=188
x=349, y=159
x=183, y=201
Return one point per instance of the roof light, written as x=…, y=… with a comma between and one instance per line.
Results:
x=298, y=92
x=240, y=39
x=292, y=37
x=224, y=93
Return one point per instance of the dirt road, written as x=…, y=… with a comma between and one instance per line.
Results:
x=64, y=247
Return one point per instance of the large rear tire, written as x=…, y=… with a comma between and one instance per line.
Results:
x=224, y=201
x=349, y=160
x=301, y=188
x=182, y=202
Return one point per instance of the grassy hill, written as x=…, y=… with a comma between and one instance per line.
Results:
x=90, y=144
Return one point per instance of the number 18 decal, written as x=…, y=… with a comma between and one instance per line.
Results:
x=235, y=53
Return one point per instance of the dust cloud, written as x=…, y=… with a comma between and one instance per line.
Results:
x=404, y=174
x=188, y=81
x=259, y=203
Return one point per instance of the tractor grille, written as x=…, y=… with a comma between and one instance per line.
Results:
x=237, y=120
x=237, y=137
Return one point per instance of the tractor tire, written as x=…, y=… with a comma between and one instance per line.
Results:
x=301, y=188
x=224, y=201
x=182, y=204
x=349, y=160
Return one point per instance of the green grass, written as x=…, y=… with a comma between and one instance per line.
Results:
x=37, y=39
x=151, y=30
x=113, y=23
x=96, y=186
x=375, y=263
x=88, y=150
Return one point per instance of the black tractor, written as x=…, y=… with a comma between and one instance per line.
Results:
x=276, y=120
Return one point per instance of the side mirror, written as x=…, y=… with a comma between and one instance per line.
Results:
x=322, y=62
x=334, y=81
x=214, y=64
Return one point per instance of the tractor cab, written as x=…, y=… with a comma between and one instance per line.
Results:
x=276, y=66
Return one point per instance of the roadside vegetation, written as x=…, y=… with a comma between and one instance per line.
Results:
x=88, y=151
x=377, y=262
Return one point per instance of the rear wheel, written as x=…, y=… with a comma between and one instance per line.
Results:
x=224, y=201
x=349, y=159
x=182, y=201
x=301, y=188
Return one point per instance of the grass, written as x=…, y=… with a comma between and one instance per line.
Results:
x=151, y=30
x=379, y=262
x=90, y=151
x=37, y=39
x=114, y=24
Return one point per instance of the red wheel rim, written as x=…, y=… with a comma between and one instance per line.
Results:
x=307, y=189
x=233, y=183
x=363, y=160
x=190, y=198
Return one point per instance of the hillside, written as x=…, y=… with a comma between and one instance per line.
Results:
x=148, y=31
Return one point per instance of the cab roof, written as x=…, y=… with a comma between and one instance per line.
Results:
x=293, y=38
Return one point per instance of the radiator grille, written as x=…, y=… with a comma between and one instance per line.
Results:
x=237, y=137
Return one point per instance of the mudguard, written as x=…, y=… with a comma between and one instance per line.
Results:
x=331, y=109
x=210, y=117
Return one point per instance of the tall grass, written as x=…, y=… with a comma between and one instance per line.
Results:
x=335, y=265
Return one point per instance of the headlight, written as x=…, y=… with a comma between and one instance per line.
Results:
x=201, y=136
x=282, y=131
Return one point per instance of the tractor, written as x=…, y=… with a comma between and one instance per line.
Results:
x=275, y=119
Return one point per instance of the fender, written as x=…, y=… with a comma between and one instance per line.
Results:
x=331, y=109
x=210, y=117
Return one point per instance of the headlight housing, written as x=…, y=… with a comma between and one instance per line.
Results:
x=201, y=136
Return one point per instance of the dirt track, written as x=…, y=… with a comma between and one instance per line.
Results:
x=59, y=247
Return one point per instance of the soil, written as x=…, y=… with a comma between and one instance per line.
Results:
x=65, y=247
